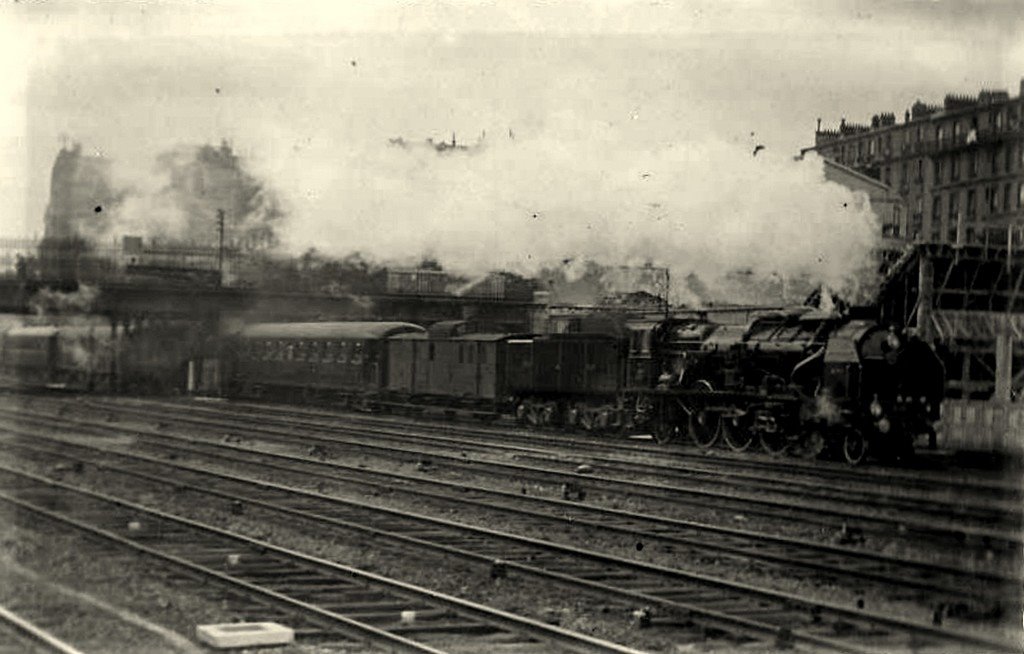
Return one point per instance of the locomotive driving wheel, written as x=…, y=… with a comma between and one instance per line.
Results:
x=774, y=439
x=738, y=435
x=855, y=446
x=812, y=444
x=705, y=426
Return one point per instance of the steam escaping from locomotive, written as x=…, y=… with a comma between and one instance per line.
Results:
x=725, y=222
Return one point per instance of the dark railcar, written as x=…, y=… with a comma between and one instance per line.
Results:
x=345, y=359
x=569, y=379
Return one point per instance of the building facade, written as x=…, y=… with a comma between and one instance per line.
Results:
x=958, y=167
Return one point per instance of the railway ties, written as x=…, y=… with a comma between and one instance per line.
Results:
x=424, y=532
x=625, y=582
x=713, y=604
x=1004, y=542
x=322, y=599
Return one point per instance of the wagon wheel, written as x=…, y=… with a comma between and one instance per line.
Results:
x=522, y=411
x=774, y=444
x=587, y=419
x=738, y=435
x=705, y=426
x=811, y=445
x=573, y=417
x=855, y=446
x=547, y=413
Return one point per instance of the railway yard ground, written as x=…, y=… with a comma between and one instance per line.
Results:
x=128, y=522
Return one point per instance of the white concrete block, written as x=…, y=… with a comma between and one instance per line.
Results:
x=244, y=634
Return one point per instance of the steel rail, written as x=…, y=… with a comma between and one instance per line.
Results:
x=573, y=641
x=36, y=635
x=792, y=552
x=751, y=504
x=785, y=604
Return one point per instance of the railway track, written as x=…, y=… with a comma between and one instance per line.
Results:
x=808, y=558
x=967, y=500
x=24, y=631
x=928, y=473
x=326, y=601
x=824, y=509
x=763, y=614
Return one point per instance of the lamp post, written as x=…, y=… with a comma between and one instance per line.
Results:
x=220, y=247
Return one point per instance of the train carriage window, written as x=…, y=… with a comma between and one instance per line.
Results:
x=357, y=353
x=301, y=350
x=330, y=352
x=470, y=349
x=342, y=352
x=430, y=352
x=461, y=355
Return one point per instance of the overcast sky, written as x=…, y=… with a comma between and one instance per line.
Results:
x=291, y=83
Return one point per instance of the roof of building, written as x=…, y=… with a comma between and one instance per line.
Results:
x=328, y=330
x=867, y=179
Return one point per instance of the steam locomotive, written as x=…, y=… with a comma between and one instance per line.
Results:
x=803, y=381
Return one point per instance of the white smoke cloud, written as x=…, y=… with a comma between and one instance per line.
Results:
x=708, y=207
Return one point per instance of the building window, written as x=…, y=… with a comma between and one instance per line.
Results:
x=888, y=143
x=940, y=133
x=997, y=119
x=918, y=135
x=956, y=130
x=994, y=167
x=1007, y=190
x=920, y=170
x=872, y=147
x=936, y=218
x=954, y=167
x=971, y=201
x=993, y=199
x=1008, y=159
x=886, y=176
x=903, y=173
x=896, y=220
x=937, y=179
x=972, y=165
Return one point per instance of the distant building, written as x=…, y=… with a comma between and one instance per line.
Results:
x=81, y=196
x=887, y=204
x=959, y=167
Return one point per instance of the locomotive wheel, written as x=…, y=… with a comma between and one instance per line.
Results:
x=521, y=412
x=811, y=445
x=664, y=432
x=737, y=435
x=774, y=444
x=705, y=426
x=855, y=446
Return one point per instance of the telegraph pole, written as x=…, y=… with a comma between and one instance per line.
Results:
x=220, y=247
